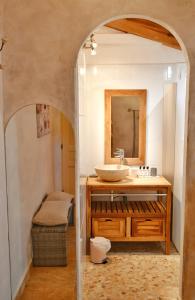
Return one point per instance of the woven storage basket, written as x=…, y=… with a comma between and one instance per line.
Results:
x=49, y=245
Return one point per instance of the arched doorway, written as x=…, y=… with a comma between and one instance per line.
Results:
x=186, y=95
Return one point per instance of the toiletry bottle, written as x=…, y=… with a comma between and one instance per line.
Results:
x=148, y=171
x=153, y=171
x=140, y=171
x=144, y=171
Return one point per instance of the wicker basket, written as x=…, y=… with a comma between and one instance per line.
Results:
x=49, y=245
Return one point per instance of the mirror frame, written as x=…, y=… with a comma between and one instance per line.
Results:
x=140, y=160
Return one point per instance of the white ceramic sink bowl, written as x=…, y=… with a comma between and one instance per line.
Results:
x=112, y=172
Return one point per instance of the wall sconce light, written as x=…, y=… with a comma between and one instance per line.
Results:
x=91, y=44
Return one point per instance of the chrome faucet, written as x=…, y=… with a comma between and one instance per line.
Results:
x=120, y=153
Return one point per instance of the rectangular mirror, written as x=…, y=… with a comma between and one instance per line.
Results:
x=125, y=125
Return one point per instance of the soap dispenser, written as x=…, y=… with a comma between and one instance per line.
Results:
x=148, y=171
x=144, y=171
x=140, y=171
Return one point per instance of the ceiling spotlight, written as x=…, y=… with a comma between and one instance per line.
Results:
x=91, y=44
x=92, y=40
x=94, y=44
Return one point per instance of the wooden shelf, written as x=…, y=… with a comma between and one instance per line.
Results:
x=119, y=209
x=129, y=221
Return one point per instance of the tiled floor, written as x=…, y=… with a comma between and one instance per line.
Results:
x=54, y=283
x=137, y=272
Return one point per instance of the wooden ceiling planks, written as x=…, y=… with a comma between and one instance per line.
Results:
x=146, y=29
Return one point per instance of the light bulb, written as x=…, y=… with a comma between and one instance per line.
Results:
x=93, y=51
x=94, y=44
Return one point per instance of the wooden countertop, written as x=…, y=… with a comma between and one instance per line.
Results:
x=158, y=181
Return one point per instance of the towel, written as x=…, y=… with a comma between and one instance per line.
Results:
x=52, y=213
x=58, y=196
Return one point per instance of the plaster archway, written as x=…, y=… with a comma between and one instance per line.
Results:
x=185, y=53
x=25, y=53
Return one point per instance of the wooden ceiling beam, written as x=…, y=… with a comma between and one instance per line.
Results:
x=146, y=29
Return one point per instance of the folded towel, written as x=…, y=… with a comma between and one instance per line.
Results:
x=52, y=213
x=56, y=196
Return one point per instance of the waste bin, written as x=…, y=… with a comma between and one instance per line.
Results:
x=99, y=246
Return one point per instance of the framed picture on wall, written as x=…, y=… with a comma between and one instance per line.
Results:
x=43, y=119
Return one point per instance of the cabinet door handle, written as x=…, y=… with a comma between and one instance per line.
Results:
x=108, y=220
x=148, y=220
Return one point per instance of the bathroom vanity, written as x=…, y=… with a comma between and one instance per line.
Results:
x=134, y=209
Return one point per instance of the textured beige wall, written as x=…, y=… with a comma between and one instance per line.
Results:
x=5, y=293
x=44, y=38
x=43, y=42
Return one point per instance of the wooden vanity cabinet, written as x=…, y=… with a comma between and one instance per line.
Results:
x=130, y=220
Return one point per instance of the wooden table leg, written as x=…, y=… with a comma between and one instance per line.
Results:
x=88, y=221
x=168, y=221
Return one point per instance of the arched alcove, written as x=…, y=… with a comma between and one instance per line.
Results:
x=39, y=146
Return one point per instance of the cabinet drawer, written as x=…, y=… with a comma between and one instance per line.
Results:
x=108, y=227
x=148, y=227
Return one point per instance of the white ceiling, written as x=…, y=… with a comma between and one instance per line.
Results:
x=115, y=47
